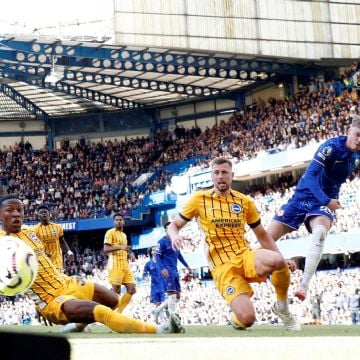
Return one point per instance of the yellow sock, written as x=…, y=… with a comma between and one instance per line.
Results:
x=121, y=323
x=116, y=308
x=281, y=281
x=124, y=300
x=237, y=322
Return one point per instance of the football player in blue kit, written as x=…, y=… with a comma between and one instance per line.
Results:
x=167, y=260
x=157, y=283
x=316, y=197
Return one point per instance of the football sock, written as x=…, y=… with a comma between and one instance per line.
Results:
x=172, y=303
x=161, y=316
x=314, y=254
x=121, y=323
x=124, y=300
x=237, y=321
x=73, y=327
x=281, y=282
x=163, y=305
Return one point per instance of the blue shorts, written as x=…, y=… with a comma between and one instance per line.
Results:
x=298, y=211
x=157, y=294
x=172, y=283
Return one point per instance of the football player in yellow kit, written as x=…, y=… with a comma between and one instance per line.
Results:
x=62, y=299
x=222, y=214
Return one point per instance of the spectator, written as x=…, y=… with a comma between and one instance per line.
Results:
x=354, y=306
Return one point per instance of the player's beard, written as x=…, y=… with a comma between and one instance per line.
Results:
x=222, y=187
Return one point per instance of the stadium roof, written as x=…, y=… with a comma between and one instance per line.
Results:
x=53, y=78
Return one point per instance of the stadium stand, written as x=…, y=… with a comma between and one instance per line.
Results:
x=92, y=180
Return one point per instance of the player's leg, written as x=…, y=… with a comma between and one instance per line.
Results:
x=86, y=311
x=319, y=226
x=116, y=288
x=106, y=297
x=91, y=291
x=171, y=303
x=229, y=280
x=243, y=312
x=115, y=280
x=125, y=299
x=271, y=262
x=171, y=293
x=283, y=223
x=287, y=219
x=157, y=297
x=128, y=280
x=278, y=229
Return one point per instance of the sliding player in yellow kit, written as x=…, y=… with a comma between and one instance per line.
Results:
x=62, y=299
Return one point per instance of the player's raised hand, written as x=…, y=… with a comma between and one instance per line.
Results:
x=291, y=264
x=334, y=204
x=177, y=242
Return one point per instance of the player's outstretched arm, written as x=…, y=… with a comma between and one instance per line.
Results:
x=173, y=229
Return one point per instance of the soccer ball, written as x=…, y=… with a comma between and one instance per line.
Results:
x=18, y=266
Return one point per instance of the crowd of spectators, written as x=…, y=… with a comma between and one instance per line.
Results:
x=350, y=79
x=95, y=180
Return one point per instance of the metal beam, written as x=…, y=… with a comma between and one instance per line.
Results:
x=135, y=83
x=23, y=101
x=93, y=95
x=106, y=56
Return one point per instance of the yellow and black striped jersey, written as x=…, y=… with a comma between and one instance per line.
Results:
x=119, y=258
x=49, y=235
x=223, y=221
x=49, y=282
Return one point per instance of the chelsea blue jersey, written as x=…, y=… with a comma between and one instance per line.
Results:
x=152, y=268
x=167, y=257
x=332, y=164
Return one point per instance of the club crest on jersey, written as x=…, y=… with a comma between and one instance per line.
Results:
x=280, y=213
x=230, y=290
x=54, y=232
x=325, y=152
x=33, y=237
x=236, y=208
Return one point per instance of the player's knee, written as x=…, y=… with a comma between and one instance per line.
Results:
x=79, y=310
x=279, y=261
x=131, y=290
x=247, y=319
x=320, y=231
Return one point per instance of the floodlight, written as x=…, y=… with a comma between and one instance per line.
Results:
x=253, y=75
x=54, y=74
x=53, y=77
x=243, y=74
